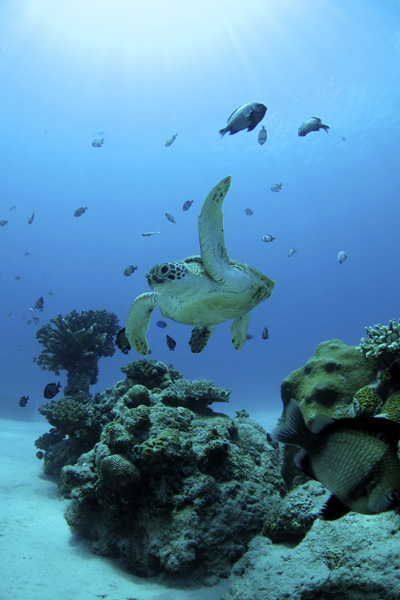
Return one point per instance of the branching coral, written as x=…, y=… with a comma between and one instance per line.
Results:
x=75, y=344
x=383, y=342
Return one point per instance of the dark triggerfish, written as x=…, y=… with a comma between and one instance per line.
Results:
x=355, y=458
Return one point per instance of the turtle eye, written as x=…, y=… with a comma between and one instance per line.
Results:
x=393, y=496
x=164, y=269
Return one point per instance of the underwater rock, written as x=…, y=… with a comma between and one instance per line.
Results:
x=75, y=344
x=351, y=558
x=174, y=491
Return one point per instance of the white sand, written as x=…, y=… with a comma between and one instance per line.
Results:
x=40, y=557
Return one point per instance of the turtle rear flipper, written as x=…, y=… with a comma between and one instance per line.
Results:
x=199, y=338
x=239, y=329
x=138, y=322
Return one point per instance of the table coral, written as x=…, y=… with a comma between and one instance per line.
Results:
x=75, y=343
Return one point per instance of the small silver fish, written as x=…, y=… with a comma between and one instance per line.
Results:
x=50, y=293
x=3, y=222
x=187, y=204
x=354, y=458
x=170, y=140
x=129, y=270
x=30, y=220
x=267, y=238
x=247, y=117
x=248, y=211
x=80, y=211
x=262, y=136
x=311, y=124
x=291, y=252
x=276, y=187
x=97, y=143
x=148, y=233
x=342, y=256
x=170, y=217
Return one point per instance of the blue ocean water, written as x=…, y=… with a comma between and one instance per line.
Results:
x=136, y=73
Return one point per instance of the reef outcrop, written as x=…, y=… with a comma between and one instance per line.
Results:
x=75, y=343
x=161, y=479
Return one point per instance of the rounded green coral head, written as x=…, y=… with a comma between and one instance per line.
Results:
x=119, y=474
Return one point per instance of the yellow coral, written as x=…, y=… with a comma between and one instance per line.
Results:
x=367, y=402
x=391, y=408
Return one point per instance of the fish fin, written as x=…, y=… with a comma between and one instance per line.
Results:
x=251, y=127
x=320, y=422
x=333, y=509
x=292, y=429
x=325, y=127
x=303, y=462
x=317, y=119
x=223, y=131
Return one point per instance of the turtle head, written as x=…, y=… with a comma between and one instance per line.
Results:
x=161, y=276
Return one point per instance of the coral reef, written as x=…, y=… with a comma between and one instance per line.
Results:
x=197, y=394
x=326, y=384
x=150, y=373
x=367, y=401
x=383, y=342
x=172, y=489
x=329, y=380
x=351, y=558
x=75, y=344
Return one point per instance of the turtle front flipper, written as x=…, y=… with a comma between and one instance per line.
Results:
x=211, y=232
x=138, y=322
x=199, y=338
x=239, y=331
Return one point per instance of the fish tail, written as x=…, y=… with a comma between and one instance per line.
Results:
x=223, y=131
x=293, y=430
x=326, y=127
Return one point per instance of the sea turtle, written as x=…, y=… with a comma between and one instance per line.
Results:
x=201, y=290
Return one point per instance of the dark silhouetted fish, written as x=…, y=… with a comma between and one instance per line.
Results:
x=97, y=143
x=187, y=204
x=265, y=334
x=3, y=223
x=170, y=217
x=30, y=220
x=162, y=324
x=311, y=124
x=262, y=136
x=80, y=211
x=247, y=117
x=354, y=458
x=129, y=270
x=51, y=390
x=248, y=211
x=121, y=341
x=39, y=304
x=149, y=233
x=171, y=343
x=170, y=140
x=40, y=454
x=23, y=401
